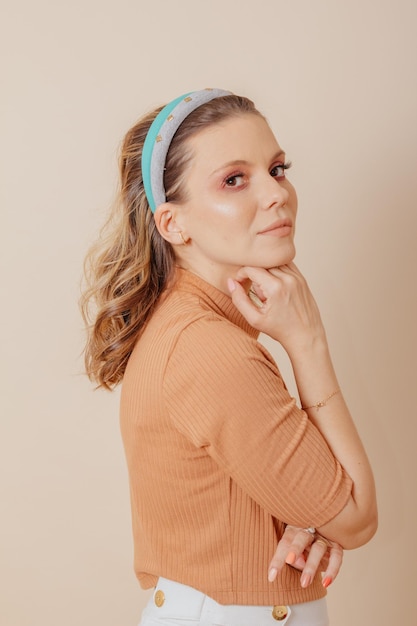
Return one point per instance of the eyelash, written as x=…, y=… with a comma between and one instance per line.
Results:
x=283, y=166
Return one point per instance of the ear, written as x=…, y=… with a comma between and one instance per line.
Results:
x=166, y=220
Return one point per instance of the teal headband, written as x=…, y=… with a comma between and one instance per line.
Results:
x=159, y=137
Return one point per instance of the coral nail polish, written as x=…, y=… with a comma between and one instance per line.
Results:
x=291, y=556
x=327, y=581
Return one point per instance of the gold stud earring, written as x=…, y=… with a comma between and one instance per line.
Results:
x=182, y=237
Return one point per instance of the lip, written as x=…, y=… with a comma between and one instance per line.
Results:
x=279, y=228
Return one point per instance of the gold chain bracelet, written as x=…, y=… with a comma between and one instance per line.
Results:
x=318, y=405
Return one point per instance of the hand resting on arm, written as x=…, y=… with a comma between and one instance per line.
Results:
x=307, y=553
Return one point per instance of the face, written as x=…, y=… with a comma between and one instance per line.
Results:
x=240, y=209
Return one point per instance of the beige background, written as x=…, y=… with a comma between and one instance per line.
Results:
x=337, y=81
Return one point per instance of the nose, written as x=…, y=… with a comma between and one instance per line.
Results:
x=275, y=194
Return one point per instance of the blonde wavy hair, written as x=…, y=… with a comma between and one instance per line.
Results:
x=131, y=264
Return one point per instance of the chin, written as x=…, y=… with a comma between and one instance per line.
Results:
x=282, y=259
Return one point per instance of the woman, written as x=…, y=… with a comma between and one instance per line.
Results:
x=223, y=464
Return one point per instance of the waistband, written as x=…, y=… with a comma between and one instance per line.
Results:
x=172, y=600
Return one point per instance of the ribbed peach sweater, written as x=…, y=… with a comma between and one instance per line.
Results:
x=219, y=455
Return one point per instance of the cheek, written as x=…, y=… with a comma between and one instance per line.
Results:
x=232, y=225
x=225, y=214
x=232, y=214
x=224, y=208
x=223, y=224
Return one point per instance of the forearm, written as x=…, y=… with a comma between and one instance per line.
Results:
x=316, y=380
x=289, y=314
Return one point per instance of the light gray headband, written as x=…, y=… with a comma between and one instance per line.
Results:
x=159, y=137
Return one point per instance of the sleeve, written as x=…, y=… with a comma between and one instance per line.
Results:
x=224, y=392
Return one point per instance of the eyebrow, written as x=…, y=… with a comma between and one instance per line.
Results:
x=237, y=162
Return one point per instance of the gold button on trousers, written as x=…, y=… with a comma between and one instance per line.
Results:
x=280, y=612
x=174, y=601
x=159, y=598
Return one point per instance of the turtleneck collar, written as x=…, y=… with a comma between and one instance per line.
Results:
x=213, y=298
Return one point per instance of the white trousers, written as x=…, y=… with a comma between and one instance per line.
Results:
x=174, y=604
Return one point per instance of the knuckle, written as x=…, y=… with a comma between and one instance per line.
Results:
x=310, y=569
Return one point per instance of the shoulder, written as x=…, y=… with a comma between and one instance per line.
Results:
x=191, y=319
x=213, y=334
x=213, y=349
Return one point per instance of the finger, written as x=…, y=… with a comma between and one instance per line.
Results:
x=263, y=280
x=255, y=274
x=290, y=550
x=314, y=558
x=277, y=562
x=302, y=540
x=264, y=277
x=334, y=564
x=256, y=290
x=300, y=563
x=250, y=311
x=289, y=268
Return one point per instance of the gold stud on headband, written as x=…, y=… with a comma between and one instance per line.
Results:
x=159, y=137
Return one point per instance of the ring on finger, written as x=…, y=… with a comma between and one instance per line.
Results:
x=322, y=541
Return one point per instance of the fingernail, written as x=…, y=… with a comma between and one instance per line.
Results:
x=231, y=285
x=291, y=556
x=272, y=574
x=305, y=580
x=327, y=581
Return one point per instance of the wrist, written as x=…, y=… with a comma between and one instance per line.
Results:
x=308, y=347
x=321, y=403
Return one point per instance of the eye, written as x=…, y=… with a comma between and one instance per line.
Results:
x=278, y=171
x=236, y=180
